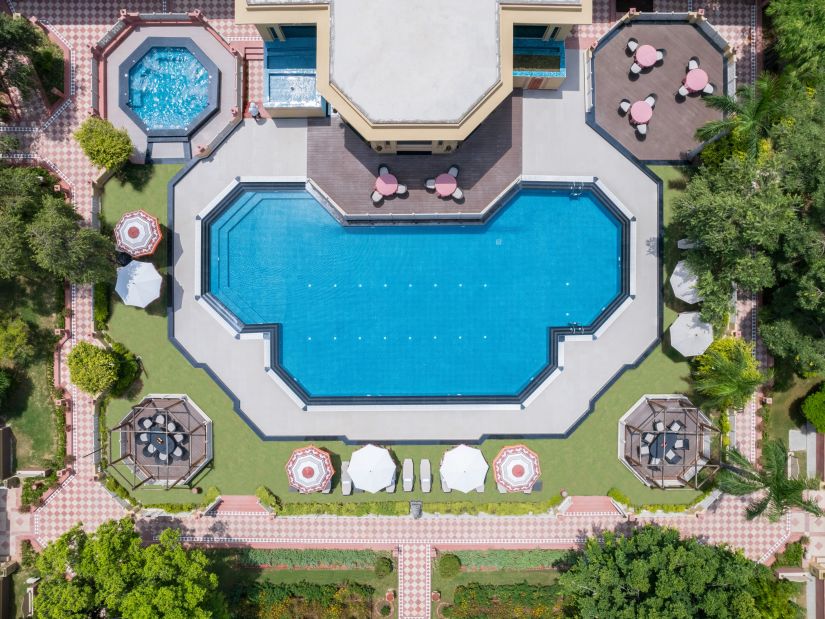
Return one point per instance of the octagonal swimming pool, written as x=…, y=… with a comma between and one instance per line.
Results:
x=415, y=311
x=168, y=88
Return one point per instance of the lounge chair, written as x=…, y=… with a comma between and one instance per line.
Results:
x=391, y=488
x=408, y=475
x=632, y=45
x=480, y=488
x=501, y=489
x=651, y=100
x=693, y=63
x=430, y=184
x=635, y=68
x=660, y=55
x=458, y=194
x=346, y=480
x=683, y=91
x=377, y=197
x=401, y=190
x=328, y=488
x=444, y=486
x=624, y=106
x=708, y=90
x=383, y=170
x=644, y=450
x=675, y=426
x=642, y=129
x=425, y=475
x=453, y=171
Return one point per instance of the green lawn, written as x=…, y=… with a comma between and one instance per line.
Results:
x=786, y=410
x=585, y=463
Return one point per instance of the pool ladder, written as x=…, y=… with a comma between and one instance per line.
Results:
x=576, y=189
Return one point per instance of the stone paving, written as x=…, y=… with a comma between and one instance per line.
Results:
x=81, y=499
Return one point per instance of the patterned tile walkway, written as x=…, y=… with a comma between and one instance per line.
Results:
x=414, y=570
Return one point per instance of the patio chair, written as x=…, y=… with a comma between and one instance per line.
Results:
x=651, y=100
x=644, y=450
x=377, y=197
x=160, y=419
x=681, y=443
x=178, y=437
x=675, y=426
x=346, y=480
x=171, y=427
x=655, y=461
x=659, y=426
x=178, y=452
x=693, y=63
x=430, y=184
x=425, y=475
x=183, y=453
x=635, y=68
x=632, y=45
x=444, y=486
x=146, y=423
x=458, y=194
x=151, y=448
x=401, y=190
x=143, y=437
x=660, y=55
x=641, y=129
x=146, y=452
x=624, y=106
x=382, y=169
x=408, y=475
x=163, y=457
x=708, y=90
x=453, y=171
x=683, y=91
x=648, y=437
x=670, y=455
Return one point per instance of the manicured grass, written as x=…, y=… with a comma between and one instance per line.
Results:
x=786, y=410
x=447, y=586
x=585, y=463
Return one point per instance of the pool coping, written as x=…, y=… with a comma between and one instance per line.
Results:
x=139, y=52
x=271, y=332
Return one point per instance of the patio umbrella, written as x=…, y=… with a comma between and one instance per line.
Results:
x=309, y=469
x=690, y=335
x=516, y=468
x=683, y=281
x=464, y=468
x=371, y=468
x=138, y=234
x=138, y=283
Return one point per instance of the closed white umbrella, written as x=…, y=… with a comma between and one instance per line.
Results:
x=683, y=281
x=138, y=283
x=371, y=468
x=690, y=335
x=464, y=468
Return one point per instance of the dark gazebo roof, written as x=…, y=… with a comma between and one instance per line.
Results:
x=165, y=440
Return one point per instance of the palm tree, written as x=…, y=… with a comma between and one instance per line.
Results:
x=727, y=374
x=749, y=115
x=740, y=477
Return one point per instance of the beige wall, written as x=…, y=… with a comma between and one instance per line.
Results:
x=318, y=14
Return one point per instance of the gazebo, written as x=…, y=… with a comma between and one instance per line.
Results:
x=372, y=469
x=464, y=468
x=667, y=442
x=309, y=469
x=138, y=283
x=138, y=234
x=163, y=441
x=516, y=469
x=690, y=335
x=684, y=281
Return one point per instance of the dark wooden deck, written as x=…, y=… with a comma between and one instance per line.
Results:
x=671, y=130
x=345, y=167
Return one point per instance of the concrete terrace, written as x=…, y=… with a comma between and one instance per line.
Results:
x=675, y=119
x=344, y=167
x=550, y=119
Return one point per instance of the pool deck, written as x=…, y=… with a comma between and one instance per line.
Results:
x=344, y=167
x=550, y=119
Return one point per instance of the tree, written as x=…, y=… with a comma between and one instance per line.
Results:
x=114, y=575
x=93, y=369
x=778, y=493
x=814, y=409
x=15, y=342
x=654, y=573
x=104, y=144
x=800, y=29
x=787, y=341
x=19, y=38
x=5, y=383
x=748, y=116
x=383, y=567
x=727, y=373
x=14, y=251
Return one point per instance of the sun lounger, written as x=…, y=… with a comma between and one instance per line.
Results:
x=328, y=488
x=346, y=480
x=425, y=475
x=391, y=488
x=408, y=475
x=444, y=486
x=501, y=489
x=480, y=488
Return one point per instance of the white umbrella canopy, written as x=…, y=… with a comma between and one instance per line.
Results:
x=371, y=468
x=683, y=281
x=464, y=468
x=690, y=335
x=138, y=283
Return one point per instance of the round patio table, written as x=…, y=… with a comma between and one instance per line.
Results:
x=162, y=441
x=696, y=80
x=646, y=56
x=386, y=184
x=663, y=442
x=445, y=185
x=640, y=112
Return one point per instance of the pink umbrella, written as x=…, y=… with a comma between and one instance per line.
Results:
x=309, y=469
x=138, y=234
x=516, y=468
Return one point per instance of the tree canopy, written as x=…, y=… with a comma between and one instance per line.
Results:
x=112, y=573
x=104, y=144
x=800, y=30
x=727, y=373
x=654, y=573
x=93, y=369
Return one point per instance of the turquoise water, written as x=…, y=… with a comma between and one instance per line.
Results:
x=168, y=88
x=436, y=310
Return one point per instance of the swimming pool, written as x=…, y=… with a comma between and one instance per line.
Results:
x=168, y=88
x=415, y=311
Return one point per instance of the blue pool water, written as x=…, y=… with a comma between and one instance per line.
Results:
x=437, y=310
x=168, y=88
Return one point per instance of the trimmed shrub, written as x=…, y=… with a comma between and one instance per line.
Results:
x=449, y=565
x=16, y=342
x=93, y=369
x=385, y=610
x=268, y=498
x=104, y=144
x=792, y=555
x=814, y=409
x=378, y=508
x=383, y=567
x=520, y=508
x=102, y=306
x=308, y=558
x=28, y=555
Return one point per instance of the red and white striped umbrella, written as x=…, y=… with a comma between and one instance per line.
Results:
x=138, y=234
x=309, y=469
x=516, y=468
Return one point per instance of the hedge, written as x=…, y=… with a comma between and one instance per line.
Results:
x=518, y=600
x=520, y=508
x=308, y=558
x=301, y=599
x=620, y=497
x=509, y=559
x=792, y=555
x=379, y=508
x=102, y=306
